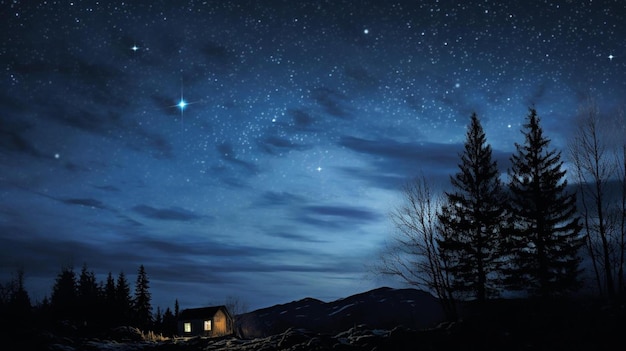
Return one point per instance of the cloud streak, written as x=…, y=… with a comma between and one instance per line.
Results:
x=165, y=214
x=391, y=163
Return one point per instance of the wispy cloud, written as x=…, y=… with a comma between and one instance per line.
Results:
x=228, y=154
x=165, y=214
x=273, y=198
x=335, y=217
x=88, y=202
x=396, y=162
x=332, y=102
x=14, y=141
x=275, y=145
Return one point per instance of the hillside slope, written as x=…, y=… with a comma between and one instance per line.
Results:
x=382, y=308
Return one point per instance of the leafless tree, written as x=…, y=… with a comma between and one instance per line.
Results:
x=592, y=152
x=235, y=307
x=413, y=254
x=621, y=161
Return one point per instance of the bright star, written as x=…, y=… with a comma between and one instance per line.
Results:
x=182, y=104
x=319, y=169
x=366, y=31
x=611, y=57
x=135, y=48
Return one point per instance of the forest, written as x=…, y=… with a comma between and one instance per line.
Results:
x=81, y=305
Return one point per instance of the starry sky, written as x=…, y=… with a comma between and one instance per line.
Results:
x=254, y=149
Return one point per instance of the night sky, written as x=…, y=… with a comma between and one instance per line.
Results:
x=301, y=120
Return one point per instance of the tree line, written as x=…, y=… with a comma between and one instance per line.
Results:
x=485, y=236
x=89, y=306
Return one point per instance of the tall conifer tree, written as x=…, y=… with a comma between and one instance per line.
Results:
x=15, y=305
x=169, y=323
x=109, y=300
x=87, y=298
x=64, y=293
x=472, y=219
x=123, y=302
x=109, y=290
x=545, y=241
x=142, y=301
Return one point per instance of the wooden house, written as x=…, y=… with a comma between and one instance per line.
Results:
x=211, y=322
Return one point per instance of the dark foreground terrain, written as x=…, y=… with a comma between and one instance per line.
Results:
x=381, y=319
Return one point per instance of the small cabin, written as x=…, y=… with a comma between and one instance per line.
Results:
x=210, y=322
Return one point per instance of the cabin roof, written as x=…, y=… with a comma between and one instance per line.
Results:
x=201, y=312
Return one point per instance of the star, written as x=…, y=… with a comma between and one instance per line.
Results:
x=611, y=57
x=319, y=169
x=182, y=104
x=134, y=48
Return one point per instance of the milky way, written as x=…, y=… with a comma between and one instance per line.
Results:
x=255, y=148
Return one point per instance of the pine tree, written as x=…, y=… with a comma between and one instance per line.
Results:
x=169, y=323
x=109, y=288
x=545, y=242
x=87, y=298
x=64, y=294
x=123, y=303
x=15, y=305
x=109, y=301
x=472, y=219
x=142, y=307
x=158, y=320
x=19, y=297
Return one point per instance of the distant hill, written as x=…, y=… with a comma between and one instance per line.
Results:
x=382, y=308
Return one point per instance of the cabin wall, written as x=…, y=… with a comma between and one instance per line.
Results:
x=220, y=324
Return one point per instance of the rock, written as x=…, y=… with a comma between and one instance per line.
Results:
x=293, y=337
x=125, y=333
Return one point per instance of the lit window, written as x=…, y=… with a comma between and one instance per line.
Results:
x=187, y=327
x=207, y=325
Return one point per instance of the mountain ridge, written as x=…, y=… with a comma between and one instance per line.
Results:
x=379, y=308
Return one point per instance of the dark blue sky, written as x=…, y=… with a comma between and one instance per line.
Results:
x=304, y=119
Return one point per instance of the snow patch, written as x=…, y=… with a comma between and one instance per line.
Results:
x=341, y=309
